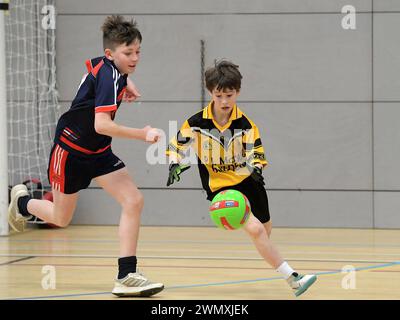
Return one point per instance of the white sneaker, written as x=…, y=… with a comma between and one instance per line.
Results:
x=136, y=284
x=16, y=220
x=301, y=283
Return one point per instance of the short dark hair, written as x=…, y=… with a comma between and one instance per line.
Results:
x=223, y=75
x=117, y=31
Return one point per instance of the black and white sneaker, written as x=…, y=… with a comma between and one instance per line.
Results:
x=15, y=219
x=136, y=285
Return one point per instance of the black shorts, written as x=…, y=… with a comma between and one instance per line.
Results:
x=70, y=173
x=255, y=193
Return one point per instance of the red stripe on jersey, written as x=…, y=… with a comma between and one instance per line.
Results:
x=96, y=69
x=89, y=65
x=105, y=108
x=83, y=150
x=69, y=134
x=121, y=94
x=70, y=131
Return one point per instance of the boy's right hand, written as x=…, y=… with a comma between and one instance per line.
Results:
x=175, y=171
x=151, y=134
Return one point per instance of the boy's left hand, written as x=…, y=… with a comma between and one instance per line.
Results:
x=175, y=171
x=131, y=93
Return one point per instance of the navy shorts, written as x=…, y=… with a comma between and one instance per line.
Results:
x=255, y=193
x=69, y=173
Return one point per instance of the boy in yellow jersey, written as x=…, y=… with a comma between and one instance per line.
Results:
x=230, y=155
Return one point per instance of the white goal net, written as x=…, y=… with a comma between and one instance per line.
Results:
x=31, y=88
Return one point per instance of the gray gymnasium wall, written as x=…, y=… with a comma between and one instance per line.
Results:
x=325, y=99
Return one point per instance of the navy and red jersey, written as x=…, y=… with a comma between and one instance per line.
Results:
x=101, y=90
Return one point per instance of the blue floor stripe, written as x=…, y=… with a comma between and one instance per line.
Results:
x=211, y=284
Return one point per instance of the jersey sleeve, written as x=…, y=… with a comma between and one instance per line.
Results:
x=106, y=90
x=180, y=143
x=92, y=63
x=254, y=148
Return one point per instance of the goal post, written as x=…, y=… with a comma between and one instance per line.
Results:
x=28, y=94
x=3, y=126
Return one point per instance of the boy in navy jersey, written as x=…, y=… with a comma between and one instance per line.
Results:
x=82, y=152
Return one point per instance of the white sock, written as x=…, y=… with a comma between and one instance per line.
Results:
x=285, y=270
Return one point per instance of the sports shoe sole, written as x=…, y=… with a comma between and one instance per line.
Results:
x=305, y=286
x=126, y=292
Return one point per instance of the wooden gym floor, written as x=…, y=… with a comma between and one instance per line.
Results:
x=200, y=263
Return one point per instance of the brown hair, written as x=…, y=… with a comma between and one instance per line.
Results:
x=117, y=31
x=223, y=75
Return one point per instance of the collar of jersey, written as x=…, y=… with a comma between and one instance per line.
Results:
x=106, y=60
x=207, y=114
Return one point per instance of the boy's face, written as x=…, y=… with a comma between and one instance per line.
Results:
x=224, y=100
x=125, y=57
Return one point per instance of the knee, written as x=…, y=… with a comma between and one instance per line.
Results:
x=62, y=221
x=134, y=203
x=256, y=230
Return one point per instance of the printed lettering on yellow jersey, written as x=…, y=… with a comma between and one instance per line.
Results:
x=224, y=156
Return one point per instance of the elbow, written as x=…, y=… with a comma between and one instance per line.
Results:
x=103, y=124
x=100, y=127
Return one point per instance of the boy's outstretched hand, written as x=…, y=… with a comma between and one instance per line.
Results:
x=175, y=171
x=151, y=135
x=131, y=93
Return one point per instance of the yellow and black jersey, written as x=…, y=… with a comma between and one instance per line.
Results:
x=221, y=152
